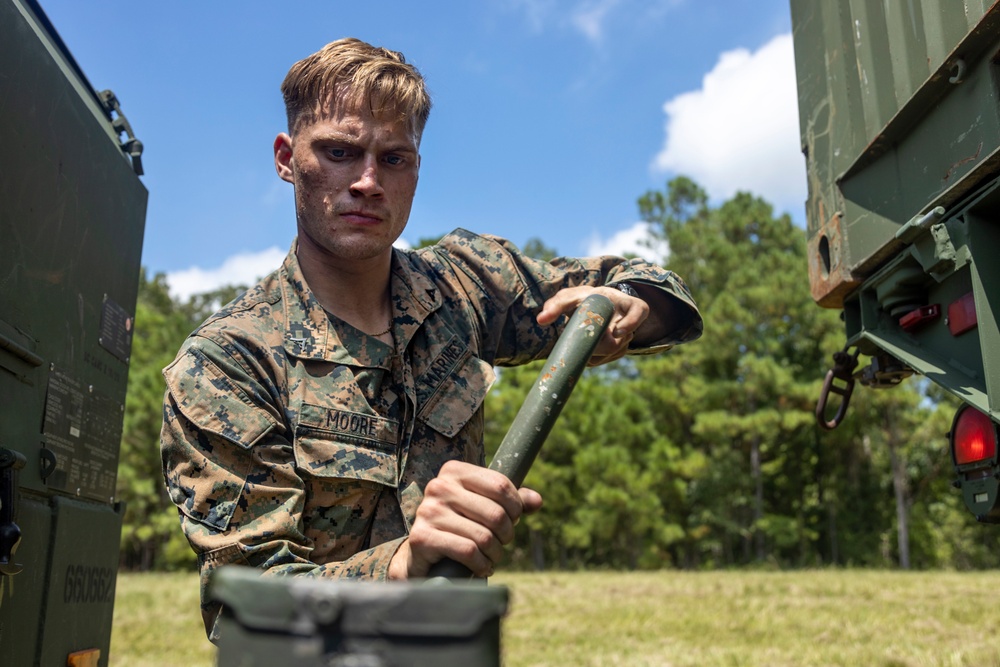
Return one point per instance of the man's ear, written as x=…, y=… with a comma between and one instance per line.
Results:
x=283, y=157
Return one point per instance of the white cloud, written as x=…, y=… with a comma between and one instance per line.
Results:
x=740, y=131
x=629, y=241
x=536, y=12
x=241, y=269
x=589, y=18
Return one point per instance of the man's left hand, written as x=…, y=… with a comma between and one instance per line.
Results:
x=630, y=321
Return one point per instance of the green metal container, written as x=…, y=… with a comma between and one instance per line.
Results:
x=72, y=212
x=900, y=124
x=269, y=621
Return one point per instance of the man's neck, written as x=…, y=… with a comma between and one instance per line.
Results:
x=355, y=292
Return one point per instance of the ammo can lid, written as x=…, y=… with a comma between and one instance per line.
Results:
x=305, y=606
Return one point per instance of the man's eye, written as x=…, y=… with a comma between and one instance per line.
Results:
x=338, y=152
x=393, y=160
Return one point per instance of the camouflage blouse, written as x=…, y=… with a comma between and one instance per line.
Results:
x=294, y=443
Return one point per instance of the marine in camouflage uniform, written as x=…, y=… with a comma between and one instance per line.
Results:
x=298, y=444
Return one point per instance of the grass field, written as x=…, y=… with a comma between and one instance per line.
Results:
x=724, y=619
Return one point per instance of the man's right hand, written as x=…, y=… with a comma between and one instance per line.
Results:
x=468, y=514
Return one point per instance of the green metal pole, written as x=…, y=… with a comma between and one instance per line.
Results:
x=545, y=401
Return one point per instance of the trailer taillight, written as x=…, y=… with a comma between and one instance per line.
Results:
x=973, y=440
x=974, y=437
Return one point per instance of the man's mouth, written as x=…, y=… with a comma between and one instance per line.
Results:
x=361, y=217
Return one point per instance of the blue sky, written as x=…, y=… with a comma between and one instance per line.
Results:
x=551, y=117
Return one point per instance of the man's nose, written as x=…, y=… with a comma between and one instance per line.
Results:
x=367, y=182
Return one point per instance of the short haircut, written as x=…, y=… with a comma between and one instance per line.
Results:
x=354, y=73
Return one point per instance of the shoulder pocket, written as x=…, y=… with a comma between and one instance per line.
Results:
x=213, y=402
x=330, y=442
x=207, y=459
x=453, y=388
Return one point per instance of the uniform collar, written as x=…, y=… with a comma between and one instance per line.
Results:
x=310, y=335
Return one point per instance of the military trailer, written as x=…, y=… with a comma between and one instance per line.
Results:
x=72, y=213
x=900, y=126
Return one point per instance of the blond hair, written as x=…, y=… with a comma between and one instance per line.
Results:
x=352, y=73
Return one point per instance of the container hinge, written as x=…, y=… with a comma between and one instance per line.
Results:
x=884, y=371
x=131, y=145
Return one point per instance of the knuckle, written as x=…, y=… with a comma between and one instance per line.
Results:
x=438, y=487
x=483, y=540
x=496, y=516
x=427, y=511
x=499, y=485
x=435, y=487
x=450, y=467
x=419, y=538
x=468, y=551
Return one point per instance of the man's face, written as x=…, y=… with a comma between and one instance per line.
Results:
x=355, y=177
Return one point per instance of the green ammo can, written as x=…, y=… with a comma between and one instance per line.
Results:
x=302, y=622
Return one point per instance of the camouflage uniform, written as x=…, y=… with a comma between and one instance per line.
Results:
x=294, y=443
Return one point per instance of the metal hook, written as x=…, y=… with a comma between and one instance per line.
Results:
x=843, y=369
x=957, y=72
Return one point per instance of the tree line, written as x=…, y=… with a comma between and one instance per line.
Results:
x=708, y=456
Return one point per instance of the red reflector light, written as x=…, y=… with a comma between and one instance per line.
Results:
x=974, y=437
x=962, y=314
x=915, y=319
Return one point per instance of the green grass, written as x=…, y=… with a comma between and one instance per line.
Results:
x=157, y=623
x=724, y=619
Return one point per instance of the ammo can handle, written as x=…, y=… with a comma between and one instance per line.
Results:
x=544, y=402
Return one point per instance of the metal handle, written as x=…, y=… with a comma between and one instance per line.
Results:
x=10, y=532
x=544, y=402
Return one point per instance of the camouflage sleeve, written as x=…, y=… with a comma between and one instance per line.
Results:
x=508, y=288
x=229, y=467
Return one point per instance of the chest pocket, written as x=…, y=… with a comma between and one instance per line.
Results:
x=335, y=443
x=453, y=388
